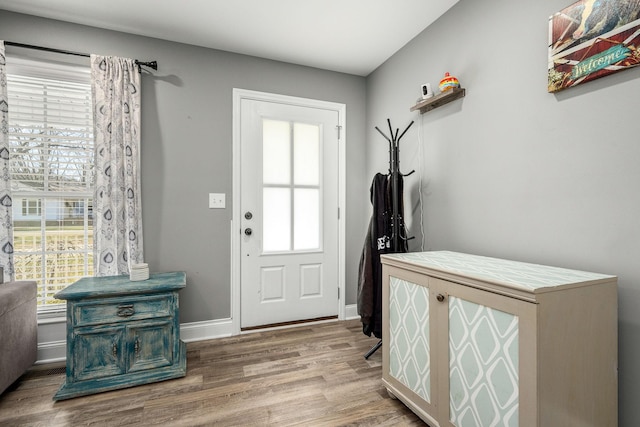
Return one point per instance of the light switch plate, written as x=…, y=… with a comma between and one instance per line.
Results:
x=217, y=200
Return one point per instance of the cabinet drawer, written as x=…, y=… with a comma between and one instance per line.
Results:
x=122, y=309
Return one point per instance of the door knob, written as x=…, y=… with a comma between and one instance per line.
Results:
x=248, y=231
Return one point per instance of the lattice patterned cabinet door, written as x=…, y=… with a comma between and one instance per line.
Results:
x=409, y=354
x=483, y=365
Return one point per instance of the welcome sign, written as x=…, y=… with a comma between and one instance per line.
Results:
x=591, y=39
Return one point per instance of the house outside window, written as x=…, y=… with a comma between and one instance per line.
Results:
x=31, y=207
x=51, y=166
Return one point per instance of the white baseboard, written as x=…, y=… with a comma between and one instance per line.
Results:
x=207, y=330
x=351, y=312
x=55, y=350
x=52, y=351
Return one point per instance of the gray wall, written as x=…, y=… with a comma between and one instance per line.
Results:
x=187, y=147
x=511, y=170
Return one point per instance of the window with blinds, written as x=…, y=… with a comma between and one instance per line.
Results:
x=51, y=167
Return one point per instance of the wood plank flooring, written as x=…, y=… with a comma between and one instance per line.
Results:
x=312, y=375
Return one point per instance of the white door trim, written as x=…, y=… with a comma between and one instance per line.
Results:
x=238, y=96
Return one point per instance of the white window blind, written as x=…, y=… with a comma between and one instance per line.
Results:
x=51, y=166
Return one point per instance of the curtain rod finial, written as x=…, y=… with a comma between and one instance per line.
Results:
x=151, y=64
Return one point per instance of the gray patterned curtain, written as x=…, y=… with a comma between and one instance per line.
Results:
x=6, y=222
x=117, y=205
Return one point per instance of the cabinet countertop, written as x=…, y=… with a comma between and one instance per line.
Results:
x=514, y=274
x=89, y=287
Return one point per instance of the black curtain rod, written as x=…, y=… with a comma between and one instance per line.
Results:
x=46, y=49
x=151, y=64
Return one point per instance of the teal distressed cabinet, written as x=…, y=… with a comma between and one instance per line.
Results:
x=479, y=341
x=122, y=333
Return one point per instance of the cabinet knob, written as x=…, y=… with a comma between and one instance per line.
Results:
x=440, y=297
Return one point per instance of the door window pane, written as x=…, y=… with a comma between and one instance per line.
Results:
x=291, y=186
x=306, y=219
x=306, y=154
x=276, y=226
x=276, y=152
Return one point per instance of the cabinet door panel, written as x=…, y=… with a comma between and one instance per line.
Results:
x=409, y=344
x=484, y=350
x=483, y=365
x=409, y=368
x=151, y=345
x=98, y=352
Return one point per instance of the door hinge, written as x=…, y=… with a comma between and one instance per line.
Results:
x=338, y=293
x=339, y=131
x=338, y=213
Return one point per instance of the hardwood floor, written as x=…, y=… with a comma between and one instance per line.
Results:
x=312, y=375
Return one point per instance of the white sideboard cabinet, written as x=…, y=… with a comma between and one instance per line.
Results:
x=477, y=341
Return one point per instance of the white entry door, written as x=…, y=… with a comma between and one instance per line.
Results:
x=289, y=212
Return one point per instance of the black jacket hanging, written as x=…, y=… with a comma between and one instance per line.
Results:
x=377, y=241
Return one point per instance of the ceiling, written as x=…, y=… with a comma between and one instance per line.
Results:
x=350, y=36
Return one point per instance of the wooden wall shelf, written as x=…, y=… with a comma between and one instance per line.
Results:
x=439, y=100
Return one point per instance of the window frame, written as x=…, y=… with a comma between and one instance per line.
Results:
x=71, y=73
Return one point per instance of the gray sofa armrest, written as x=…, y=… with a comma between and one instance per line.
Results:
x=18, y=330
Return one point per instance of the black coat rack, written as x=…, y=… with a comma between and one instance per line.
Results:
x=398, y=236
x=398, y=239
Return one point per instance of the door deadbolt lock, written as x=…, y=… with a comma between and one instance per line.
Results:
x=440, y=297
x=248, y=231
x=248, y=215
